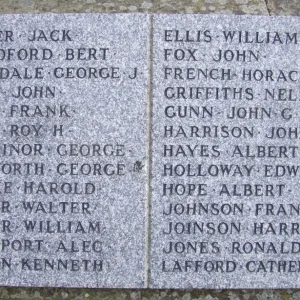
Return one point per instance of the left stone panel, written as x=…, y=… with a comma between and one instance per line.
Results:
x=73, y=160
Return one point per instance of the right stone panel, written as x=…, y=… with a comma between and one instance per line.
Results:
x=225, y=207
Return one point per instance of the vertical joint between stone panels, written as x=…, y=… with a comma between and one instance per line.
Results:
x=149, y=150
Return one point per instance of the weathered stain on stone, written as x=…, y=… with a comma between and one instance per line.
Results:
x=94, y=294
x=147, y=6
x=284, y=7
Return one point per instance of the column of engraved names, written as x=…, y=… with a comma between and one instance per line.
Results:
x=230, y=151
x=51, y=175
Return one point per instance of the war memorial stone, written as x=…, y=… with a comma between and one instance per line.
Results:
x=73, y=150
x=226, y=152
x=149, y=151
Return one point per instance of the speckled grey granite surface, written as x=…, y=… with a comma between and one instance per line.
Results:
x=259, y=7
x=81, y=207
x=210, y=228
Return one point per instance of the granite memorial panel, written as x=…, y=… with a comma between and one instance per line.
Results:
x=226, y=152
x=73, y=149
